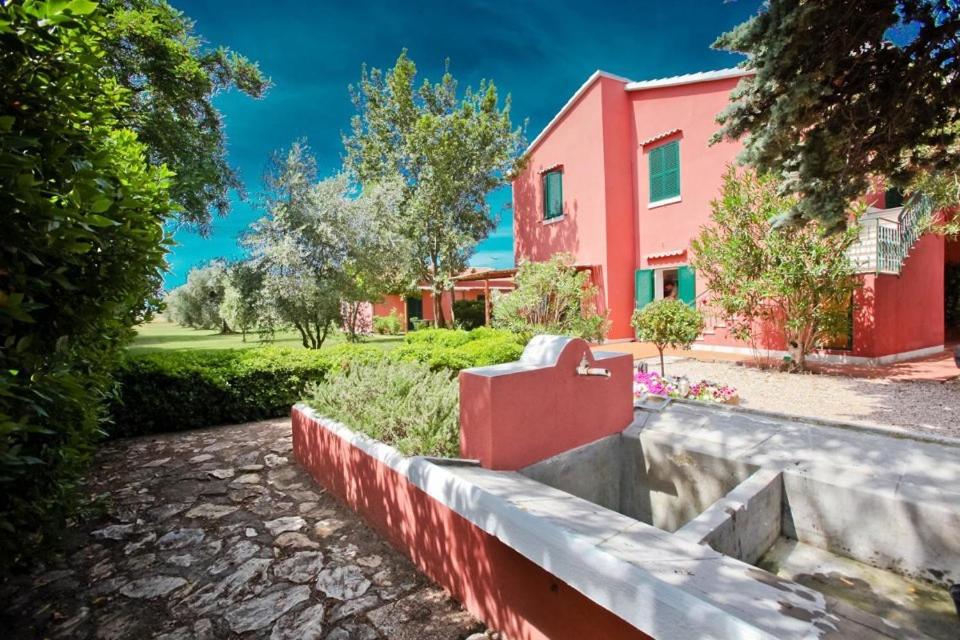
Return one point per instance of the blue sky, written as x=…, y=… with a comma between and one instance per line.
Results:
x=538, y=51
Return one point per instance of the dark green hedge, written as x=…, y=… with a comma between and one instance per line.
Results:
x=177, y=390
x=189, y=389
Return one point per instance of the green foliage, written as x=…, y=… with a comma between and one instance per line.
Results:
x=551, y=297
x=798, y=281
x=178, y=390
x=242, y=303
x=152, y=50
x=418, y=323
x=197, y=303
x=456, y=349
x=81, y=250
x=447, y=151
x=403, y=404
x=389, y=325
x=320, y=250
x=469, y=314
x=827, y=113
x=668, y=323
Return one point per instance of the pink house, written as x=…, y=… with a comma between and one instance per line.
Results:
x=622, y=178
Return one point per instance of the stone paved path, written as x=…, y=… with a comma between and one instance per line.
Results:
x=218, y=533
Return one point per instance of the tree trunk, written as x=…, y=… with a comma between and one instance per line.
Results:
x=224, y=328
x=663, y=371
x=437, y=308
x=243, y=334
x=303, y=335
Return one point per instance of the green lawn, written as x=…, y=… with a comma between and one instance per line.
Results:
x=161, y=335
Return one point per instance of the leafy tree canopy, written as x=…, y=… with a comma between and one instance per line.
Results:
x=447, y=151
x=668, y=323
x=798, y=282
x=845, y=92
x=81, y=250
x=153, y=51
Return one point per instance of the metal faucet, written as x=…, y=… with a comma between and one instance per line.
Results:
x=584, y=370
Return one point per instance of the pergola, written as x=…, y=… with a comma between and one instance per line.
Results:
x=486, y=277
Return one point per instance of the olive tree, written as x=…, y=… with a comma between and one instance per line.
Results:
x=668, y=323
x=322, y=245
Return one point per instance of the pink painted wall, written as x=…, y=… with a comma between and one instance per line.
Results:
x=514, y=420
x=902, y=313
x=692, y=109
x=591, y=142
x=608, y=224
x=495, y=583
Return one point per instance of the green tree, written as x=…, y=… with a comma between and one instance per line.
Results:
x=798, y=281
x=551, y=297
x=80, y=256
x=171, y=78
x=197, y=302
x=242, y=297
x=668, y=323
x=844, y=93
x=448, y=151
x=324, y=248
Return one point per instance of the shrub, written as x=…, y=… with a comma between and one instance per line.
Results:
x=456, y=349
x=439, y=337
x=389, y=325
x=668, y=323
x=82, y=246
x=469, y=314
x=419, y=323
x=551, y=297
x=403, y=404
x=190, y=389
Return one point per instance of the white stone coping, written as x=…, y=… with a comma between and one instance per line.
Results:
x=667, y=587
x=542, y=352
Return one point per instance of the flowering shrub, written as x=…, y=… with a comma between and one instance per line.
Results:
x=652, y=383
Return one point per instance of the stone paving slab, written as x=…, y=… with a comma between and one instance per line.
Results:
x=218, y=533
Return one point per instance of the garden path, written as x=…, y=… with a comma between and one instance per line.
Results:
x=218, y=533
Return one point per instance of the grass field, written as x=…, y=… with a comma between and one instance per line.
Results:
x=161, y=335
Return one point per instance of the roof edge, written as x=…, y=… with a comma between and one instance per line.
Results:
x=596, y=75
x=690, y=78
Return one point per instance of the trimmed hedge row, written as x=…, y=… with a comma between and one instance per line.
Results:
x=178, y=390
x=189, y=389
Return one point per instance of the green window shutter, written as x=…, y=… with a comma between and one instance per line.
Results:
x=552, y=194
x=665, y=171
x=687, y=285
x=644, y=287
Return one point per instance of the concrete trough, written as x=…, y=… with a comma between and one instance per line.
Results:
x=686, y=523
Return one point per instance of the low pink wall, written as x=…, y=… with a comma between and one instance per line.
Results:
x=494, y=582
x=513, y=420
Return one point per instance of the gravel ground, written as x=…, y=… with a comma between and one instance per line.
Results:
x=924, y=406
x=218, y=533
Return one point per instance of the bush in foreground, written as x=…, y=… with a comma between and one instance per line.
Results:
x=668, y=323
x=177, y=390
x=180, y=390
x=404, y=404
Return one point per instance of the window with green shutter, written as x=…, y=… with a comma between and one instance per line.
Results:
x=552, y=194
x=643, y=287
x=687, y=285
x=664, y=171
